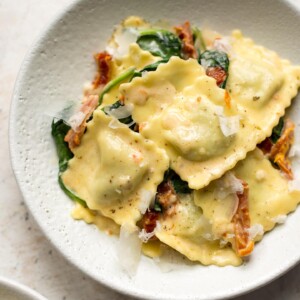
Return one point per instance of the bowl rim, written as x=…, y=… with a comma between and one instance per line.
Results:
x=28, y=58
x=21, y=288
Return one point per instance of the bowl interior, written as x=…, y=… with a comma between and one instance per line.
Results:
x=52, y=78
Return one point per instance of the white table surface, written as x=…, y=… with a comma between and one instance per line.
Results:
x=25, y=254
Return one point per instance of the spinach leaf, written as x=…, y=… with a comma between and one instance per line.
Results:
x=213, y=59
x=198, y=40
x=157, y=206
x=179, y=185
x=161, y=43
x=149, y=68
x=117, y=104
x=59, y=131
x=70, y=194
x=276, y=133
x=126, y=74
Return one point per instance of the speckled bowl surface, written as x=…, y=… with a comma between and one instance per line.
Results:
x=12, y=290
x=53, y=75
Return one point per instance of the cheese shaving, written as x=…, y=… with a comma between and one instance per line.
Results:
x=255, y=230
x=229, y=125
x=121, y=112
x=280, y=219
x=223, y=44
x=294, y=185
x=123, y=39
x=228, y=185
x=76, y=120
x=129, y=248
x=146, y=236
x=146, y=198
x=294, y=151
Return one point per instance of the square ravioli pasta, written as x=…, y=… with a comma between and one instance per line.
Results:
x=180, y=142
x=206, y=130
x=202, y=226
x=113, y=170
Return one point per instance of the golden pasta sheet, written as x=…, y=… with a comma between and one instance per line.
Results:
x=260, y=82
x=188, y=231
x=204, y=130
x=270, y=198
x=115, y=170
x=136, y=58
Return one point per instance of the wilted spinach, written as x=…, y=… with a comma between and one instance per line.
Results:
x=59, y=131
x=157, y=206
x=179, y=185
x=117, y=104
x=277, y=130
x=161, y=43
x=213, y=59
x=149, y=68
x=126, y=74
x=70, y=194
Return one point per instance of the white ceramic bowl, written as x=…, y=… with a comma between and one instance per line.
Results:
x=53, y=74
x=12, y=290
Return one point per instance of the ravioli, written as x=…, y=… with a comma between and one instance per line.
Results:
x=260, y=82
x=135, y=58
x=171, y=152
x=113, y=170
x=269, y=197
x=182, y=110
x=200, y=224
x=189, y=232
x=126, y=53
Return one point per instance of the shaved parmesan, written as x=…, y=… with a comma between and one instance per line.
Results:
x=111, y=50
x=228, y=185
x=223, y=44
x=146, y=198
x=121, y=112
x=158, y=227
x=280, y=219
x=260, y=175
x=294, y=151
x=230, y=235
x=129, y=248
x=204, y=63
x=123, y=39
x=223, y=243
x=229, y=125
x=114, y=124
x=146, y=236
x=255, y=230
x=226, y=208
x=294, y=185
x=219, y=110
x=76, y=120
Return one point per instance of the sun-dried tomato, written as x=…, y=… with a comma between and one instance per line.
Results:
x=241, y=220
x=184, y=32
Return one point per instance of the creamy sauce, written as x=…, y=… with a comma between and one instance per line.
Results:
x=183, y=122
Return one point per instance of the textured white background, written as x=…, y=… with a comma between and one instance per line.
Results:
x=25, y=254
